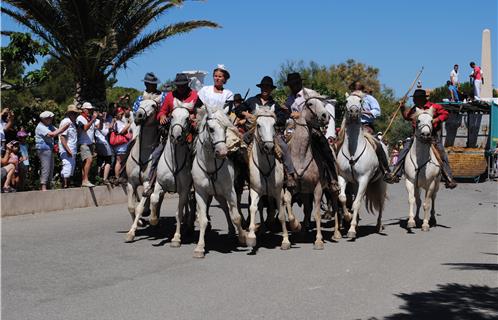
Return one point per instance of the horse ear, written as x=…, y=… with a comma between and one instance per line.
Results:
x=175, y=103
x=305, y=94
x=431, y=111
x=272, y=108
x=347, y=95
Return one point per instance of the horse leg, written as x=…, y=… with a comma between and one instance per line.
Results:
x=231, y=228
x=138, y=214
x=343, y=199
x=154, y=204
x=317, y=196
x=432, y=221
x=131, y=200
x=294, y=223
x=251, y=237
x=182, y=202
x=410, y=188
x=236, y=218
x=201, y=201
x=281, y=216
x=362, y=187
x=427, y=206
x=307, y=209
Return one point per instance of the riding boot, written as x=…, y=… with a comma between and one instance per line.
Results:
x=447, y=176
x=288, y=165
x=322, y=151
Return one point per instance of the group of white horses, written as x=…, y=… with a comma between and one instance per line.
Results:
x=211, y=173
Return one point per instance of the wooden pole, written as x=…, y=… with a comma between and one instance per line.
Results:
x=395, y=114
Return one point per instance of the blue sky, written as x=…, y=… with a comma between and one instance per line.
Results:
x=256, y=37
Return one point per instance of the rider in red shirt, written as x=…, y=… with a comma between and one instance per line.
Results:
x=440, y=115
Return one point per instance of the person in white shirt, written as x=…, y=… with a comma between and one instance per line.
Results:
x=86, y=140
x=68, y=144
x=216, y=96
x=320, y=144
x=454, y=76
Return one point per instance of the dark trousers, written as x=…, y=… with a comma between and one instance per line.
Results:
x=323, y=155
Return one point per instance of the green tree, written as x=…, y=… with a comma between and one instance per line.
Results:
x=93, y=39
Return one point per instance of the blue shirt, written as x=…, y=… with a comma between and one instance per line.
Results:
x=140, y=98
x=43, y=141
x=372, y=105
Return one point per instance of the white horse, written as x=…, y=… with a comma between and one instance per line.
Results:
x=213, y=174
x=266, y=173
x=174, y=167
x=422, y=169
x=139, y=161
x=358, y=164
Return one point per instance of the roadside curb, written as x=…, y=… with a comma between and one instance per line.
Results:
x=30, y=202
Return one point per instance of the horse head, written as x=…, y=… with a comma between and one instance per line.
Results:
x=423, y=124
x=353, y=108
x=146, y=113
x=180, y=121
x=214, y=126
x=265, y=127
x=314, y=110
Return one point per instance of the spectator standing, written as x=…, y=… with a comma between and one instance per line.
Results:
x=44, y=138
x=121, y=127
x=24, y=161
x=454, y=76
x=102, y=146
x=6, y=125
x=476, y=79
x=68, y=144
x=86, y=139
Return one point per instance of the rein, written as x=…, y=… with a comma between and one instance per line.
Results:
x=352, y=160
x=267, y=174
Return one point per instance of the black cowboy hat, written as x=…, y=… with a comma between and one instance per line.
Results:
x=419, y=93
x=151, y=78
x=237, y=97
x=293, y=77
x=266, y=81
x=181, y=79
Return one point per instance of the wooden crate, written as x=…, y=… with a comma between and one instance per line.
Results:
x=467, y=162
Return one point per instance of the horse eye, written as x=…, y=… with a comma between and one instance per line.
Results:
x=211, y=130
x=258, y=125
x=309, y=104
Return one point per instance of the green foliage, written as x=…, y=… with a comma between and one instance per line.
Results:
x=334, y=81
x=95, y=38
x=440, y=93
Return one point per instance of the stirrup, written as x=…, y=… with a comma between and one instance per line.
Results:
x=391, y=178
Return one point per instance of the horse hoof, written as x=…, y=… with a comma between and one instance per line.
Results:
x=380, y=228
x=318, y=245
x=130, y=237
x=154, y=222
x=411, y=224
x=352, y=235
x=141, y=222
x=198, y=254
x=425, y=227
x=337, y=236
x=285, y=246
x=251, y=242
x=175, y=244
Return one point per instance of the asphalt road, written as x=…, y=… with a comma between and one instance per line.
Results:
x=75, y=265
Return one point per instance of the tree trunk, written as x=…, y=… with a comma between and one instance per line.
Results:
x=91, y=90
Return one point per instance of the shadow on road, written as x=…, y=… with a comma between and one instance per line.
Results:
x=473, y=266
x=450, y=301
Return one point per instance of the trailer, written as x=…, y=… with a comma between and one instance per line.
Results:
x=470, y=137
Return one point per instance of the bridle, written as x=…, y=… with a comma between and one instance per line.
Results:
x=145, y=110
x=185, y=129
x=423, y=140
x=259, y=143
x=210, y=138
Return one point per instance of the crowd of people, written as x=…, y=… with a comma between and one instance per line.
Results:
x=83, y=130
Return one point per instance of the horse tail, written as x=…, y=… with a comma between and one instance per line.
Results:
x=376, y=196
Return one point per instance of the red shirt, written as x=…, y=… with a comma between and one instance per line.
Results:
x=440, y=113
x=168, y=103
x=477, y=73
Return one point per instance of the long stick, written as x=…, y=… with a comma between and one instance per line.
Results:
x=395, y=114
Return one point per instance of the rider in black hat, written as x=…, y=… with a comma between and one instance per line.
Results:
x=265, y=99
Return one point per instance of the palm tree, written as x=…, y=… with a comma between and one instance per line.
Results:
x=95, y=38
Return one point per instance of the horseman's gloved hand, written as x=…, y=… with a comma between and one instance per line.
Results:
x=435, y=122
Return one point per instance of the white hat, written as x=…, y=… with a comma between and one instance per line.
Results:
x=87, y=105
x=46, y=114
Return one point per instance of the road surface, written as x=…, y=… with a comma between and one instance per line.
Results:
x=75, y=265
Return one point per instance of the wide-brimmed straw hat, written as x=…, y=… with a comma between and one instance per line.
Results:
x=72, y=108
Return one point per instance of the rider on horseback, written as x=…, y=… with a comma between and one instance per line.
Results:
x=319, y=143
x=370, y=112
x=440, y=115
x=183, y=93
x=248, y=108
